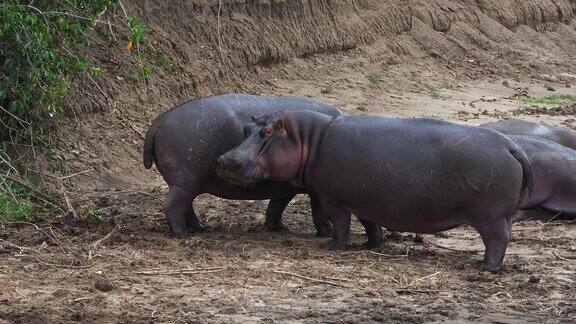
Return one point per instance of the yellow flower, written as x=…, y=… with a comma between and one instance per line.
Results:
x=128, y=46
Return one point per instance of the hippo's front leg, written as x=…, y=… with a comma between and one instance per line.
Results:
x=274, y=212
x=193, y=224
x=321, y=221
x=340, y=218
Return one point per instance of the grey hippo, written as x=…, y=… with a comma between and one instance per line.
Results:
x=409, y=175
x=554, y=168
x=561, y=135
x=551, y=152
x=185, y=142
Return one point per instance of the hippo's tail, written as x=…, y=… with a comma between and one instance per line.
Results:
x=518, y=153
x=148, y=155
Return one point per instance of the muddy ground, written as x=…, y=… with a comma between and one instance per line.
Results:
x=464, y=61
x=126, y=268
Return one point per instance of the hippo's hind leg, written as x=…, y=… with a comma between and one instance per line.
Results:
x=495, y=236
x=177, y=208
x=374, y=232
x=321, y=220
x=274, y=212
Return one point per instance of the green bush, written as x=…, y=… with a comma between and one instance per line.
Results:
x=15, y=204
x=37, y=43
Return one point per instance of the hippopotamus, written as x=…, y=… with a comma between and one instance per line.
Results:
x=561, y=135
x=546, y=156
x=554, y=167
x=185, y=142
x=410, y=175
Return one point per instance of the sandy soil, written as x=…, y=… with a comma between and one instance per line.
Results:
x=126, y=268
x=429, y=62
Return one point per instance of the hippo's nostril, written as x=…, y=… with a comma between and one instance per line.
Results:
x=221, y=162
x=235, y=163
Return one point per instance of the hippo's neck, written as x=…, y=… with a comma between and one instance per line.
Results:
x=311, y=130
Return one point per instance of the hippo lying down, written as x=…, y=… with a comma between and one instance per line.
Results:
x=410, y=175
x=186, y=141
x=551, y=152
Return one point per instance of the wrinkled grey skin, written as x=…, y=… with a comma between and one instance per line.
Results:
x=561, y=135
x=410, y=175
x=186, y=141
x=554, y=167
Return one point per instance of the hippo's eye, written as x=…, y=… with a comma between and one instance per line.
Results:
x=265, y=132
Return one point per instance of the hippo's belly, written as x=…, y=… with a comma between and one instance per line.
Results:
x=261, y=191
x=423, y=222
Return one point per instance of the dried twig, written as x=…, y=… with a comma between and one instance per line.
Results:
x=137, y=131
x=307, y=278
x=51, y=237
x=62, y=13
x=455, y=250
x=425, y=277
x=75, y=174
x=21, y=248
x=123, y=9
x=390, y=255
x=80, y=299
x=21, y=121
x=98, y=242
x=66, y=266
x=421, y=291
x=561, y=257
x=179, y=272
x=111, y=31
x=68, y=204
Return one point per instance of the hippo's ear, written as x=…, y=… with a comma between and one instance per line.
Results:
x=253, y=118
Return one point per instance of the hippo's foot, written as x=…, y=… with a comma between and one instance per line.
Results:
x=493, y=268
x=274, y=227
x=199, y=228
x=324, y=231
x=194, y=225
x=181, y=234
x=373, y=243
x=419, y=238
x=441, y=235
x=334, y=245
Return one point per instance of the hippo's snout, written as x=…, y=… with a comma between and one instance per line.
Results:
x=228, y=163
x=230, y=168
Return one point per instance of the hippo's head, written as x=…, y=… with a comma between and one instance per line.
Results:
x=271, y=150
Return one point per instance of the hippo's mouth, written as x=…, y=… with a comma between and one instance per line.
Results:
x=235, y=179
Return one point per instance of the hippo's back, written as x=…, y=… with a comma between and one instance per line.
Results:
x=245, y=104
x=560, y=135
x=188, y=139
x=554, y=168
